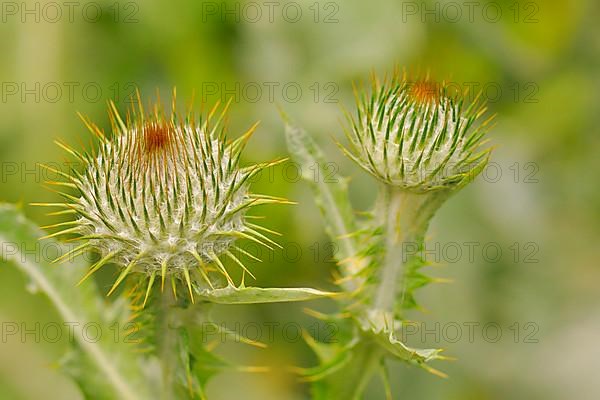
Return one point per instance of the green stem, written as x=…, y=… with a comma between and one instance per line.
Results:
x=400, y=214
x=349, y=382
x=405, y=217
x=370, y=362
x=167, y=343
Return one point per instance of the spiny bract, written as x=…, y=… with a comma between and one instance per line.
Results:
x=164, y=197
x=417, y=136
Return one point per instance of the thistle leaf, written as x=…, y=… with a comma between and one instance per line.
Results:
x=330, y=195
x=379, y=327
x=252, y=295
x=356, y=356
x=105, y=368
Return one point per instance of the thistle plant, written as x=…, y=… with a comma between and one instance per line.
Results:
x=164, y=198
x=422, y=144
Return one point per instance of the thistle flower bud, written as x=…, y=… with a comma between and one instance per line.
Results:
x=164, y=197
x=417, y=136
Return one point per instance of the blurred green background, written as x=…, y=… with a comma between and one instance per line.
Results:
x=538, y=204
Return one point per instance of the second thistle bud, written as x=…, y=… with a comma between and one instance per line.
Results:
x=416, y=136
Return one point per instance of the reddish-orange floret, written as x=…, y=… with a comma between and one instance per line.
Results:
x=425, y=91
